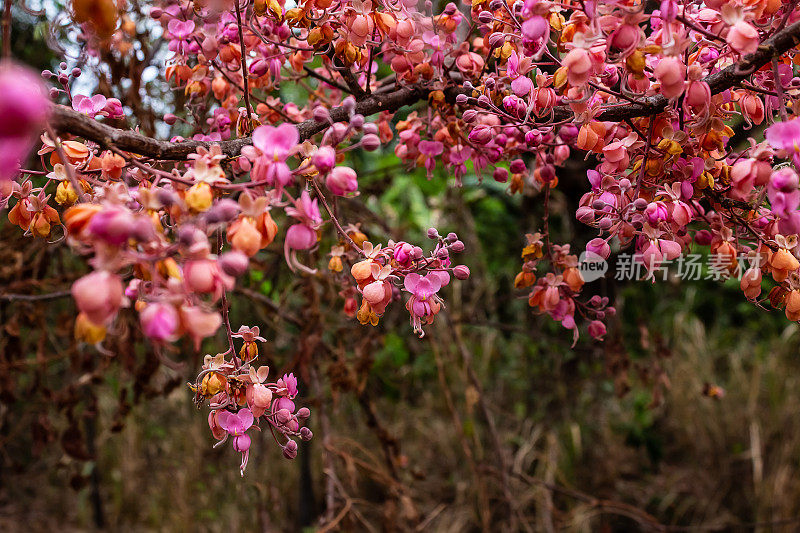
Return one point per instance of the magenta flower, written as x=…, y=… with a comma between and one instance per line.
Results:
x=24, y=106
x=160, y=322
x=289, y=382
x=785, y=136
x=305, y=210
x=275, y=145
x=181, y=31
x=236, y=424
x=404, y=254
x=430, y=149
x=113, y=108
x=91, y=106
x=424, y=302
x=99, y=295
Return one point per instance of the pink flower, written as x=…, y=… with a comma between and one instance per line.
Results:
x=535, y=28
x=205, y=276
x=199, y=323
x=783, y=192
x=430, y=149
x=671, y=74
x=160, y=322
x=99, y=296
x=181, y=32
x=258, y=395
x=424, y=302
x=743, y=38
x=113, y=108
x=624, y=40
x=289, y=382
x=655, y=212
x=91, y=106
x=785, y=136
x=305, y=210
x=24, y=106
x=275, y=145
x=579, y=66
x=236, y=424
x=599, y=247
x=403, y=254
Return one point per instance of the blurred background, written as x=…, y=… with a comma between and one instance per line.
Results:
x=683, y=418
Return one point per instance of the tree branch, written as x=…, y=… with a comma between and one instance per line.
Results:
x=65, y=120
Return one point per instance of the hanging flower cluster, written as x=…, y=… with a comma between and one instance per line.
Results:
x=659, y=101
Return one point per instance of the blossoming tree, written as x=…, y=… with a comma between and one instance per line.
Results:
x=506, y=90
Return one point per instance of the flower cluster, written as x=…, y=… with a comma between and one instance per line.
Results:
x=240, y=397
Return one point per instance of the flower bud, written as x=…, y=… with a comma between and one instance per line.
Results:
x=306, y=434
x=370, y=142
x=290, y=450
x=99, y=295
x=233, y=263
x=321, y=114
x=223, y=210
x=282, y=416
x=461, y=272
x=324, y=159
x=342, y=180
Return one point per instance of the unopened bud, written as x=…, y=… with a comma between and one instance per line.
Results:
x=370, y=142
x=233, y=263
x=170, y=119
x=518, y=166
x=349, y=104
x=224, y=210
x=306, y=434
x=461, y=272
x=303, y=412
x=457, y=247
x=290, y=450
x=166, y=197
x=500, y=175
x=324, y=159
x=283, y=416
x=357, y=121
x=433, y=233
x=321, y=114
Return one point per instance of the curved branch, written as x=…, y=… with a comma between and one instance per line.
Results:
x=65, y=120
